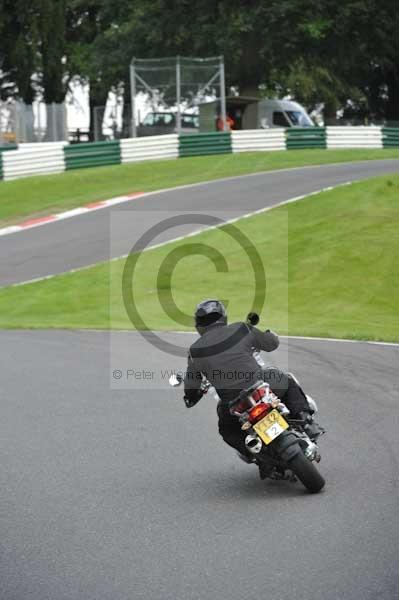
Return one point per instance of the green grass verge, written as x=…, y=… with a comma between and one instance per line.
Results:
x=331, y=262
x=52, y=193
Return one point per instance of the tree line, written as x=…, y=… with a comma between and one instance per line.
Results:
x=344, y=55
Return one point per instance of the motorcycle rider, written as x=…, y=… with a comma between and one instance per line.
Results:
x=224, y=355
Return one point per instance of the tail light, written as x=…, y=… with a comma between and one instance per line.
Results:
x=258, y=412
x=242, y=406
x=259, y=393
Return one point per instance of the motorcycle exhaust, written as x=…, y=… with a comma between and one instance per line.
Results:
x=253, y=443
x=312, y=404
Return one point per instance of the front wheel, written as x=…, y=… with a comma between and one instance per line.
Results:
x=306, y=473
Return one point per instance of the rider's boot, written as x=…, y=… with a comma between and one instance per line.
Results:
x=311, y=428
x=247, y=458
x=264, y=470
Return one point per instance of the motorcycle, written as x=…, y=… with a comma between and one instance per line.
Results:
x=279, y=444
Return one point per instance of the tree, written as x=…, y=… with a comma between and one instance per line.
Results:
x=316, y=50
x=85, y=22
x=382, y=50
x=19, y=44
x=52, y=48
x=287, y=41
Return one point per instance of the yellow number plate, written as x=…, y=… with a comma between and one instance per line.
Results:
x=271, y=426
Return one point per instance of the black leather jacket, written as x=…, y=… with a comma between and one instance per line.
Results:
x=224, y=355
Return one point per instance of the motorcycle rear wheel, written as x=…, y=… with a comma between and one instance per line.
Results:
x=307, y=473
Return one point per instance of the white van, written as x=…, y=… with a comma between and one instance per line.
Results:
x=282, y=113
x=253, y=113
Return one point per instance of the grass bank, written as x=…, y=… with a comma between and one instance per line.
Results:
x=54, y=193
x=331, y=263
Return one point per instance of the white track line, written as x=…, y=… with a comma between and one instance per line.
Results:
x=197, y=232
x=285, y=337
x=98, y=205
x=321, y=339
x=182, y=237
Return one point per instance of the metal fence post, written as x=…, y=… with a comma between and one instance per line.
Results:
x=178, y=95
x=38, y=136
x=55, y=128
x=222, y=94
x=132, y=96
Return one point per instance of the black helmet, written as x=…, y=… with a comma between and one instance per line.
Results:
x=209, y=312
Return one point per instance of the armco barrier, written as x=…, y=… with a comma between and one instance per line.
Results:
x=299, y=138
x=354, y=137
x=252, y=140
x=36, y=159
x=97, y=154
x=198, y=144
x=5, y=149
x=390, y=137
x=149, y=148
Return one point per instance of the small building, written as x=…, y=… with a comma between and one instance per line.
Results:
x=242, y=109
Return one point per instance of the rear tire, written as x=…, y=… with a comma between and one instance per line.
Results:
x=307, y=473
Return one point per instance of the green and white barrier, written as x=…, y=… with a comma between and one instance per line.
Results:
x=258, y=140
x=154, y=147
x=56, y=157
x=34, y=159
x=5, y=148
x=302, y=138
x=97, y=154
x=354, y=137
x=390, y=137
x=199, y=144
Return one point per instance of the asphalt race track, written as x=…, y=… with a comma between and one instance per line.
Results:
x=116, y=495
x=84, y=240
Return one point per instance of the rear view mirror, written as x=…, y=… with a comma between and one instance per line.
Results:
x=252, y=318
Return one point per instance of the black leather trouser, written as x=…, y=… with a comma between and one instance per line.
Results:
x=283, y=385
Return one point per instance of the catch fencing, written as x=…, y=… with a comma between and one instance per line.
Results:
x=42, y=158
